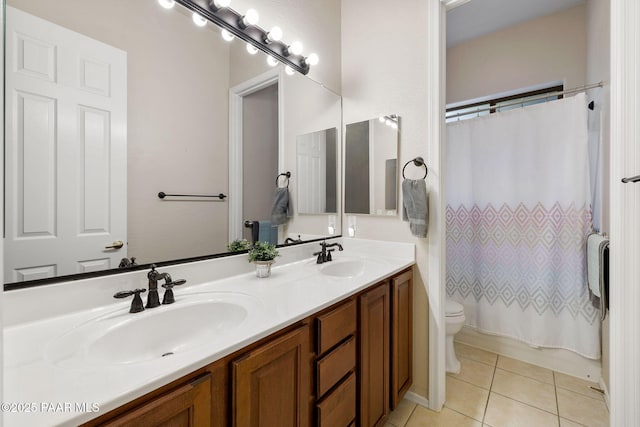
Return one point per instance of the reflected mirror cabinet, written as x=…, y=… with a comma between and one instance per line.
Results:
x=371, y=166
x=104, y=114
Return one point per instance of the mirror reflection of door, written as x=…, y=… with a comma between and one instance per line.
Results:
x=66, y=148
x=259, y=154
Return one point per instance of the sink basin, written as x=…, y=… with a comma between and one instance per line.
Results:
x=343, y=268
x=122, y=337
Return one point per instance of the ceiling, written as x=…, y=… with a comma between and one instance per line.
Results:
x=479, y=17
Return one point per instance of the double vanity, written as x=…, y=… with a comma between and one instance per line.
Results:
x=315, y=344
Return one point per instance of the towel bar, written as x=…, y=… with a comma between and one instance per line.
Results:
x=631, y=179
x=418, y=161
x=220, y=196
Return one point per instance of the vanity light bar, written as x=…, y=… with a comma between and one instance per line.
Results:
x=232, y=21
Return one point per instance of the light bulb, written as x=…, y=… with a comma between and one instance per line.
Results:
x=296, y=48
x=198, y=20
x=382, y=119
x=167, y=4
x=275, y=34
x=394, y=125
x=312, y=59
x=289, y=70
x=388, y=122
x=226, y=35
x=272, y=61
x=252, y=49
x=220, y=3
x=251, y=17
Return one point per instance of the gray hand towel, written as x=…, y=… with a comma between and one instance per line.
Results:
x=415, y=206
x=281, y=208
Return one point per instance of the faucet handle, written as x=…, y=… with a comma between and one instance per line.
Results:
x=168, y=297
x=136, y=305
x=329, y=254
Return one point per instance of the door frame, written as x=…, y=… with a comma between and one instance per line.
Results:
x=624, y=343
x=625, y=227
x=236, y=95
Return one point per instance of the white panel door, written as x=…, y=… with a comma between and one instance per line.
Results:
x=311, y=152
x=66, y=151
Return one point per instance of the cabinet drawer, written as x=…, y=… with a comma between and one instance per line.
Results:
x=335, y=326
x=335, y=366
x=338, y=409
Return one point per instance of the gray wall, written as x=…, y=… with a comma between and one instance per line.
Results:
x=332, y=183
x=260, y=151
x=356, y=176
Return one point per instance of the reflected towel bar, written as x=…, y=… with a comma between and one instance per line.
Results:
x=220, y=196
x=285, y=174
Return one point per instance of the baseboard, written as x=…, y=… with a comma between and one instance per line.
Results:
x=417, y=399
x=559, y=360
x=604, y=388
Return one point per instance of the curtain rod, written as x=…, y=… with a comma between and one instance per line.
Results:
x=533, y=98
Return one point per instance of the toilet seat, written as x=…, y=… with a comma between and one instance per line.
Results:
x=453, y=308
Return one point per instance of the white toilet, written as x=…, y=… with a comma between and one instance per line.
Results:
x=454, y=321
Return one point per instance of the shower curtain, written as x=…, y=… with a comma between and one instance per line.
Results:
x=518, y=214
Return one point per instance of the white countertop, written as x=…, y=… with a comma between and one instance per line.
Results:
x=44, y=393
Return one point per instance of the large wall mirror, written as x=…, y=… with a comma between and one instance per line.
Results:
x=371, y=166
x=110, y=103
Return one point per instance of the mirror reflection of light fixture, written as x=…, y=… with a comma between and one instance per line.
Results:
x=251, y=49
x=167, y=4
x=331, y=228
x=227, y=36
x=289, y=71
x=198, y=20
x=351, y=230
x=391, y=120
x=244, y=26
x=272, y=61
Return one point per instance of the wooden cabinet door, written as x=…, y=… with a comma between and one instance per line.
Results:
x=401, y=336
x=185, y=406
x=271, y=384
x=374, y=356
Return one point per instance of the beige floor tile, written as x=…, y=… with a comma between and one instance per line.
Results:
x=566, y=423
x=401, y=414
x=468, y=399
x=526, y=390
x=476, y=373
x=505, y=412
x=525, y=369
x=422, y=417
x=473, y=353
x=578, y=385
x=582, y=409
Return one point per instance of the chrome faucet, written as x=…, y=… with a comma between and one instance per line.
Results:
x=325, y=254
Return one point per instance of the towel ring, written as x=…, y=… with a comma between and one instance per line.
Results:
x=418, y=161
x=285, y=174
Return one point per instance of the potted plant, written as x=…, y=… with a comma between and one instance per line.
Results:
x=238, y=245
x=263, y=254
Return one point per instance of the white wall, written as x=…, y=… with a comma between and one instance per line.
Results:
x=383, y=72
x=547, y=49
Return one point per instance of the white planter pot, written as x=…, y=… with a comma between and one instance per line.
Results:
x=263, y=268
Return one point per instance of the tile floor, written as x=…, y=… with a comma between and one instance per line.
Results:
x=496, y=391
